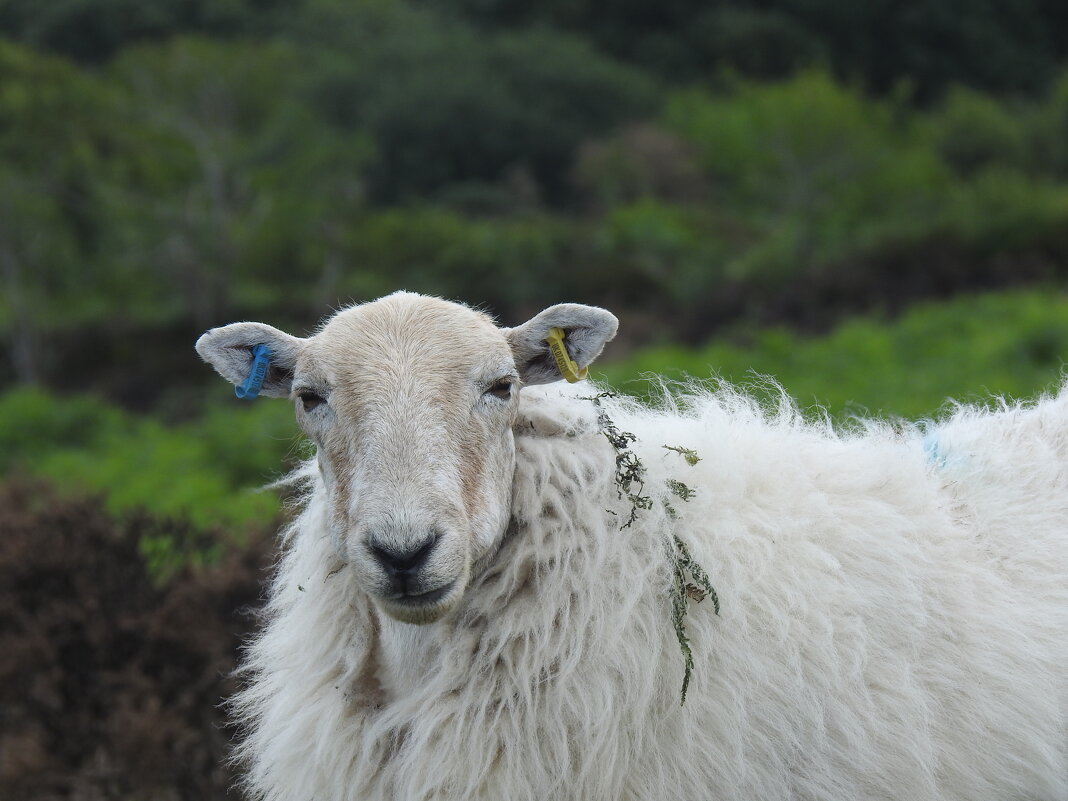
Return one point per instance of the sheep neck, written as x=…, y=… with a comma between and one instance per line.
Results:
x=406, y=655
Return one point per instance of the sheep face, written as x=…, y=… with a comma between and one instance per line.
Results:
x=410, y=402
x=411, y=406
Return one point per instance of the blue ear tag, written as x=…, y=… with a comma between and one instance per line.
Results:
x=261, y=360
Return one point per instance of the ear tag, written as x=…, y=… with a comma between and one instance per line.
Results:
x=568, y=369
x=261, y=360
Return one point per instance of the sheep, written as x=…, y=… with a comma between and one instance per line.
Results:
x=460, y=613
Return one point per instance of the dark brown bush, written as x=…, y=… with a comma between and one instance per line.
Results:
x=110, y=685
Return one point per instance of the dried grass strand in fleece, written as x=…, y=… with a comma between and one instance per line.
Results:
x=892, y=626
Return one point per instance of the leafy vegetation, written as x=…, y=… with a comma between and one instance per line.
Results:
x=972, y=349
x=929, y=43
x=191, y=181
x=207, y=470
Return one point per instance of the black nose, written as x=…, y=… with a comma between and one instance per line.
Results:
x=399, y=563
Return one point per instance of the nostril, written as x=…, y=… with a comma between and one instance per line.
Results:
x=397, y=561
x=424, y=550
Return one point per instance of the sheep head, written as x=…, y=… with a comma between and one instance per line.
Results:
x=410, y=401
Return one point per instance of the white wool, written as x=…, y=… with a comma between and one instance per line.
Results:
x=893, y=625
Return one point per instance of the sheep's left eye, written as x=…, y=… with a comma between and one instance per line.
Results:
x=501, y=389
x=311, y=400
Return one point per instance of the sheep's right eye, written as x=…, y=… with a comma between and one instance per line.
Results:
x=311, y=400
x=501, y=389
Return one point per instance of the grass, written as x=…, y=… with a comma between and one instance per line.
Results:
x=970, y=349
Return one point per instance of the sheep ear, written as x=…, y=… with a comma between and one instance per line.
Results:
x=586, y=330
x=229, y=350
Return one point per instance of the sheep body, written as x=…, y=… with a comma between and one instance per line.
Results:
x=893, y=625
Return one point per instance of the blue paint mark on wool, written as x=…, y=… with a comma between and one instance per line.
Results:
x=932, y=449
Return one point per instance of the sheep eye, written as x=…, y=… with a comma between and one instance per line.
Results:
x=501, y=389
x=311, y=400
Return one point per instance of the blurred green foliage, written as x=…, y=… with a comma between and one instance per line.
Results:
x=93, y=30
x=971, y=350
x=207, y=471
x=705, y=170
x=193, y=181
x=996, y=45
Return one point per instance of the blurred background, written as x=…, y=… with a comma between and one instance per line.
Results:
x=867, y=201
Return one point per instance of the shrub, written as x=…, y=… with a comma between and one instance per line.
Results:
x=110, y=683
x=1015, y=344
x=811, y=169
x=445, y=104
x=206, y=471
x=972, y=130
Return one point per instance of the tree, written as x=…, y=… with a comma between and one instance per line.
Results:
x=92, y=31
x=447, y=105
x=55, y=137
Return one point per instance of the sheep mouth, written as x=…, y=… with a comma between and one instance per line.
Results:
x=423, y=607
x=422, y=598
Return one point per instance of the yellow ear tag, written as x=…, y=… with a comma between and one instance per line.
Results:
x=568, y=369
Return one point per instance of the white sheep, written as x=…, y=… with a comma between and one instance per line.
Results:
x=458, y=614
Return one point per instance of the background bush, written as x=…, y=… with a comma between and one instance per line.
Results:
x=972, y=350
x=194, y=181
x=111, y=683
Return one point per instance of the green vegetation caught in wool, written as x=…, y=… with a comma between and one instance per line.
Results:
x=1013, y=344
